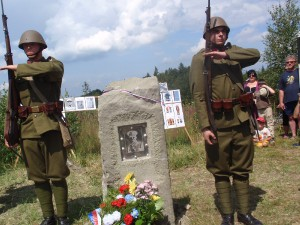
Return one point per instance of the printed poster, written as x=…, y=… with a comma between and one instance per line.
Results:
x=172, y=109
x=79, y=103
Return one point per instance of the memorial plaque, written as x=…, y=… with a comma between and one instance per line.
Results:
x=133, y=141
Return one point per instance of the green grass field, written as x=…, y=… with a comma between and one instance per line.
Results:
x=275, y=188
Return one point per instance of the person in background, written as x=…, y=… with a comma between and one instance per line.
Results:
x=263, y=134
x=263, y=105
x=229, y=149
x=288, y=91
x=41, y=141
x=251, y=84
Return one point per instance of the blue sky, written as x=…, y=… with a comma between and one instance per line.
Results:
x=101, y=41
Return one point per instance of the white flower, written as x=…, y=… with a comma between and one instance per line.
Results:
x=108, y=219
x=116, y=215
x=119, y=196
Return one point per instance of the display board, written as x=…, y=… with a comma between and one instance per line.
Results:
x=172, y=107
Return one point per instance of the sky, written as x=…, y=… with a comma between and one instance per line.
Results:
x=102, y=41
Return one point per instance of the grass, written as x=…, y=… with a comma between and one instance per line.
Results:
x=275, y=188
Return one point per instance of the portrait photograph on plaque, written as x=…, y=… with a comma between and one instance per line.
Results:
x=133, y=141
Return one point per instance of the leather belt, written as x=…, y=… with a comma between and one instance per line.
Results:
x=48, y=108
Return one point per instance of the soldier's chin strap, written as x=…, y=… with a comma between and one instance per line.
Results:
x=34, y=57
x=221, y=47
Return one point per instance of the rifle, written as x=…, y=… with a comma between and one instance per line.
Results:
x=207, y=72
x=12, y=129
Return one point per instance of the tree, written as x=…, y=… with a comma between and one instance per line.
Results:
x=85, y=89
x=281, y=39
x=155, y=73
x=147, y=75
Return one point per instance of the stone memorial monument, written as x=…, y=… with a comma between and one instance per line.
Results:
x=132, y=136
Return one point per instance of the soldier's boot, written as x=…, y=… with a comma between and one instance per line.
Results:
x=49, y=221
x=60, y=192
x=224, y=194
x=241, y=188
x=44, y=195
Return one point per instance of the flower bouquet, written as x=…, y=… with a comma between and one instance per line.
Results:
x=132, y=203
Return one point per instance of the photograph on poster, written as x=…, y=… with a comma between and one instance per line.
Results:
x=79, y=103
x=179, y=115
x=163, y=87
x=176, y=95
x=90, y=102
x=69, y=104
x=167, y=97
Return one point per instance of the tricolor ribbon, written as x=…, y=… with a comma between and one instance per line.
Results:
x=95, y=217
x=135, y=95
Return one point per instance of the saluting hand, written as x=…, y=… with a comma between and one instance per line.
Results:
x=216, y=54
x=9, y=67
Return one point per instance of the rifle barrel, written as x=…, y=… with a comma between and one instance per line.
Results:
x=2, y=7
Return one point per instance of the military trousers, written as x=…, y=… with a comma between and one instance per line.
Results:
x=233, y=154
x=45, y=157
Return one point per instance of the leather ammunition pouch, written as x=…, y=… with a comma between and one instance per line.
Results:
x=226, y=105
x=246, y=99
x=48, y=108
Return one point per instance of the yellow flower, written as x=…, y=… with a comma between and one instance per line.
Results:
x=132, y=186
x=128, y=178
x=155, y=197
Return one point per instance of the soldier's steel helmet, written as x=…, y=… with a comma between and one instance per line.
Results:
x=32, y=36
x=216, y=21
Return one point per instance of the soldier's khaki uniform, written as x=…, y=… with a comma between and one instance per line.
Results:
x=233, y=154
x=227, y=83
x=40, y=133
x=41, y=140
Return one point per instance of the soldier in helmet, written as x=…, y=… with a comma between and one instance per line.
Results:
x=229, y=149
x=41, y=140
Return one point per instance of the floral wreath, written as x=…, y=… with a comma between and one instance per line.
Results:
x=132, y=203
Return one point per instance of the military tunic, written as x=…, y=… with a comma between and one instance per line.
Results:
x=233, y=154
x=41, y=141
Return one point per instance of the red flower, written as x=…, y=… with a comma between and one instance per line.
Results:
x=123, y=188
x=128, y=219
x=119, y=202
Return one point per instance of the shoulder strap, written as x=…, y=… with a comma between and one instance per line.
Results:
x=36, y=90
x=60, y=118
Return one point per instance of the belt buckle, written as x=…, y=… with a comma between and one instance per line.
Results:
x=35, y=109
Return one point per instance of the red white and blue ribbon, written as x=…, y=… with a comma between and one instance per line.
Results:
x=95, y=217
x=133, y=94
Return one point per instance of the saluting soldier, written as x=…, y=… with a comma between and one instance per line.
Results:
x=41, y=140
x=229, y=149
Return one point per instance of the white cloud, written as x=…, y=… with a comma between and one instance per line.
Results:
x=91, y=27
